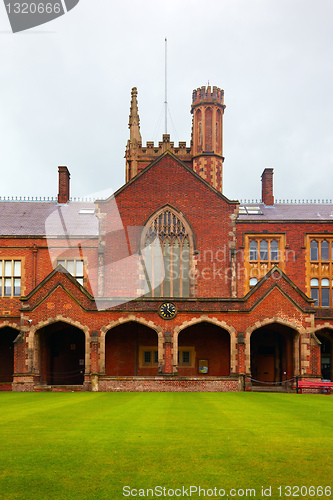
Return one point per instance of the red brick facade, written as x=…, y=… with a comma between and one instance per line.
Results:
x=82, y=284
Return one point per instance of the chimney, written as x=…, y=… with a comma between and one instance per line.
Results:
x=267, y=196
x=64, y=176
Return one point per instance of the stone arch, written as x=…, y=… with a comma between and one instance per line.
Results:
x=132, y=318
x=324, y=334
x=33, y=340
x=3, y=324
x=8, y=334
x=214, y=321
x=298, y=331
x=324, y=326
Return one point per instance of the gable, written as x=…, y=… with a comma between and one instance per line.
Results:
x=275, y=288
x=168, y=181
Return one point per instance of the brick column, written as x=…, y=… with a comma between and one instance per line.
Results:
x=94, y=361
x=19, y=354
x=168, y=355
x=241, y=353
x=23, y=378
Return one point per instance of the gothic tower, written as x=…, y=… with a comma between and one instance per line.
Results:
x=207, y=134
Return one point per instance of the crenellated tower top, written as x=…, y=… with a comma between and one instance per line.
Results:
x=207, y=95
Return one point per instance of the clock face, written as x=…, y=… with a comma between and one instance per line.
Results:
x=167, y=310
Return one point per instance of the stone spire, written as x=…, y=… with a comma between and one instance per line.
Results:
x=134, y=142
x=134, y=120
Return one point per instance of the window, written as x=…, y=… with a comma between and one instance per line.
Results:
x=325, y=292
x=168, y=246
x=253, y=282
x=262, y=252
x=320, y=291
x=325, y=250
x=75, y=268
x=314, y=250
x=253, y=250
x=315, y=291
x=10, y=278
x=274, y=250
x=186, y=356
x=320, y=269
x=148, y=356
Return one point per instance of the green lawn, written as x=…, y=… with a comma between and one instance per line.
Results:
x=91, y=445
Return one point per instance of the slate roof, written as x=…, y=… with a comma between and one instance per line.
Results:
x=47, y=218
x=290, y=211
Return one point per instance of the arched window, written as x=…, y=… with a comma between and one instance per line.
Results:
x=314, y=250
x=169, y=239
x=274, y=250
x=325, y=250
x=263, y=250
x=253, y=250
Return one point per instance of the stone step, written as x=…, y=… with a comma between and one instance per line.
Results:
x=269, y=388
x=58, y=388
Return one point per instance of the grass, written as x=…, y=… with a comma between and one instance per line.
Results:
x=89, y=445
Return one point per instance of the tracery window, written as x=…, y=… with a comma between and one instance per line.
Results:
x=169, y=241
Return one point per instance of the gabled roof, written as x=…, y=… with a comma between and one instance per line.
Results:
x=58, y=277
x=183, y=165
x=276, y=278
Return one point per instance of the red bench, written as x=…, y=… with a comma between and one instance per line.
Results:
x=315, y=384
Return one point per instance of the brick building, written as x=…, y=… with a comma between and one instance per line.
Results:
x=167, y=285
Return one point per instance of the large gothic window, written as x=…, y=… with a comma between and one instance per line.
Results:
x=168, y=244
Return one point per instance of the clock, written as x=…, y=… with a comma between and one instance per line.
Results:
x=167, y=310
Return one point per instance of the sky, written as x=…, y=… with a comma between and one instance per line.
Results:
x=65, y=90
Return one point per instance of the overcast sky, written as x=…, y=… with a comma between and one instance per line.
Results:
x=65, y=91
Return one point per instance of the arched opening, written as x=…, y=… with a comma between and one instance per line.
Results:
x=62, y=354
x=326, y=349
x=131, y=349
x=218, y=132
x=272, y=354
x=204, y=349
x=7, y=337
x=199, y=131
x=208, y=130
